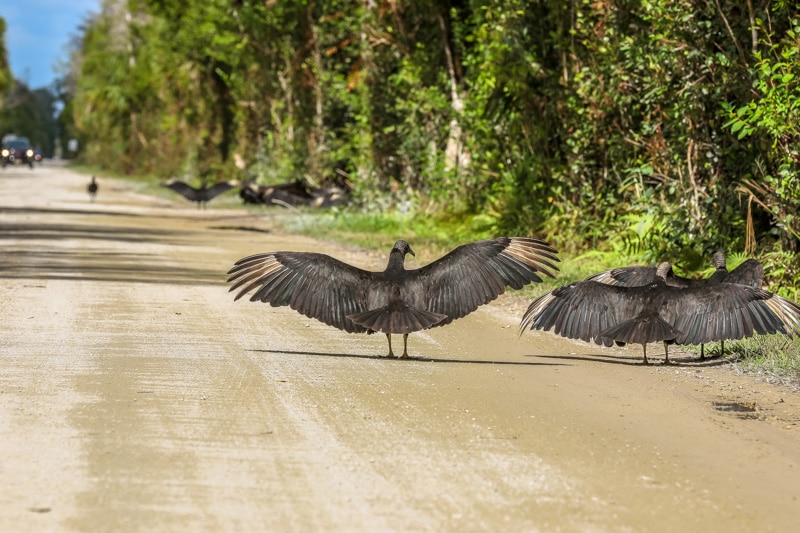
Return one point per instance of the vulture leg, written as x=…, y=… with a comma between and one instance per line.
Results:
x=389, y=338
x=644, y=347
x=405, y=346
x=702, y=352
x=666, y=353
x=721, y=348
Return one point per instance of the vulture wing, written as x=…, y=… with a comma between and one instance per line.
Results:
x=748, y=273
x=584, y=309
x=639, y=276
x=217, y=189
x=476, y=273
x=634, y=276
x=185, y=190
x=316, y=285
x=727, y=311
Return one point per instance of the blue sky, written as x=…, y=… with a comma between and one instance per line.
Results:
x=37, y=34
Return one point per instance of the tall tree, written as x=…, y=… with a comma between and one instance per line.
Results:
x=633, y=123
x=5, y=70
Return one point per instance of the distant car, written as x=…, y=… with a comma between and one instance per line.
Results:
x=17, y=149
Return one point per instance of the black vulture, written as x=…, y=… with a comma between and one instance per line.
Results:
x=290, y=194
x=203, y=194
x=92, y=189
x=396, y=300
x=637, y=276
x=749, y=273
x=330, y=196
x=249, y=192
x=293, y=194
x=595, y=311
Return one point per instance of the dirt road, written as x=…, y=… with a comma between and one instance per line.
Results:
x=135, y=395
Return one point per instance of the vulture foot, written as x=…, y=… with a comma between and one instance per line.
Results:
x=405, y=346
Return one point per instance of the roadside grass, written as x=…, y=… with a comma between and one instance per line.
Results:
x=775, y=357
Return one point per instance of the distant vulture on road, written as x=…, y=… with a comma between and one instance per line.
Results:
x=293, y=194
x=92, y=189
x=203, y=194
x=594, y=311
x=396, y=300
x=749, y=273
x=290, y=194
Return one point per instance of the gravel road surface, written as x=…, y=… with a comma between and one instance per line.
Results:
x=136, y=395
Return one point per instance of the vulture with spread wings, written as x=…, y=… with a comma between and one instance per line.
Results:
x=594, y=311
x=750, y=272
x=202, y=194
x=395, y=301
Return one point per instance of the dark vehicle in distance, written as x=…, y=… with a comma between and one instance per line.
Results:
x=17, y=149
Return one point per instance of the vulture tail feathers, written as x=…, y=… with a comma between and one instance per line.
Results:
x=393, y=319
x=642, y=329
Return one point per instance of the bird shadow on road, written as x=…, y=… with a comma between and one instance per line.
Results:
x=412, y=358
x=656, y=360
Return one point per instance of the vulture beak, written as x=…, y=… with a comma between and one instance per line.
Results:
x=411, y=251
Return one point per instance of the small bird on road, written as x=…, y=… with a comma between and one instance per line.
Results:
x=397, y=300
x=92, y=189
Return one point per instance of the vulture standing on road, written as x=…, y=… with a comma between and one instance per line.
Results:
x=396, y=300
x=590, y=310
x=92, y=189
x=749, y=273
x=203, y=194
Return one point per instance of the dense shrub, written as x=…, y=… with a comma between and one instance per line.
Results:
x=655, y=128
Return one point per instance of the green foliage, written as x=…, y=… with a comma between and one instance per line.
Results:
x=773, y=116
x=641, y=130
x=434, y=234
x=773, y=356
x=5, y=70
x=30, y=114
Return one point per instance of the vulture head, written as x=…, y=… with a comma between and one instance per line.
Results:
x=663, y=270
x=403, y=248
x=398, y=255
x=718, y=260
